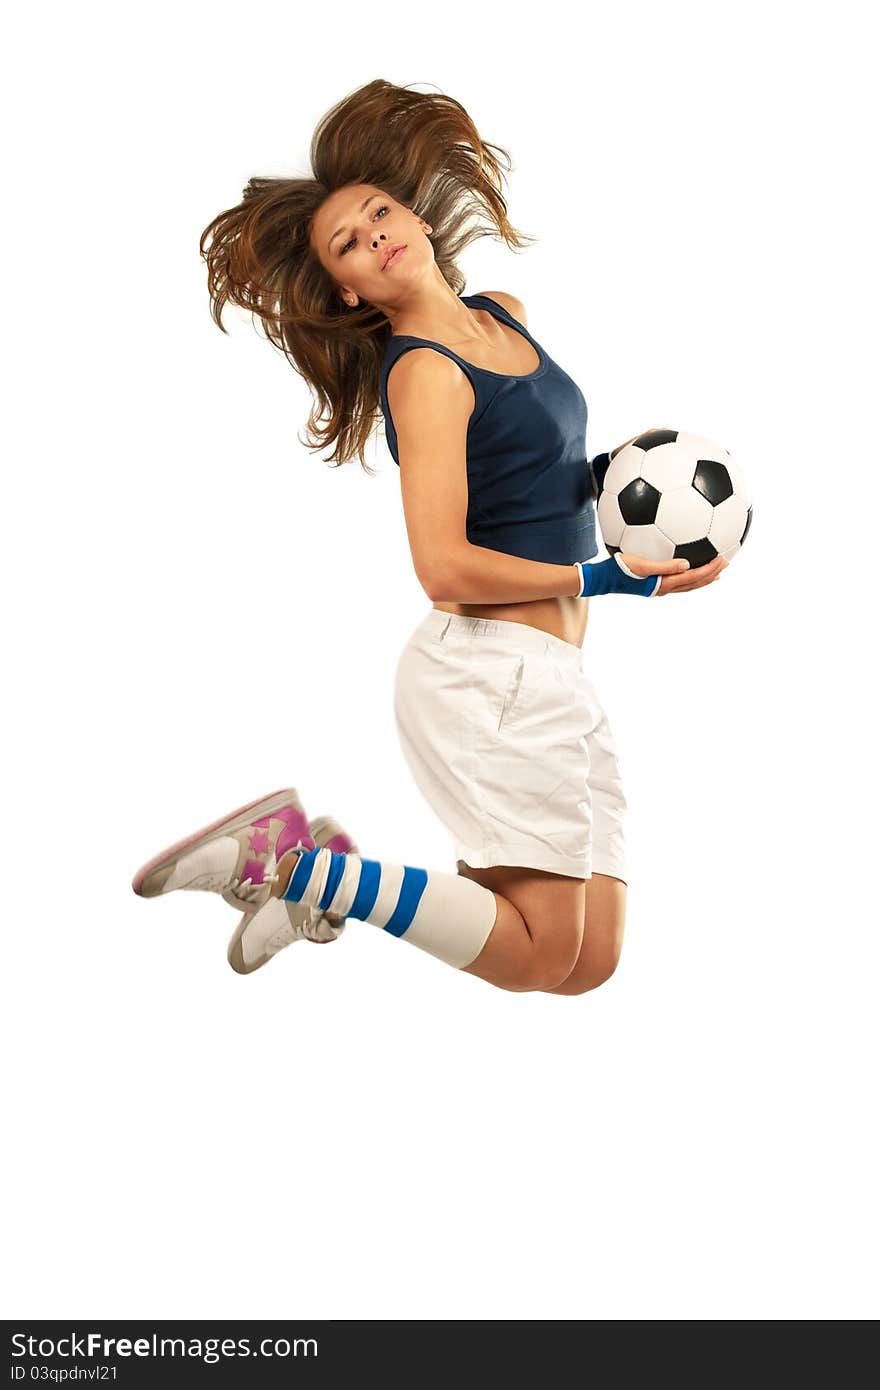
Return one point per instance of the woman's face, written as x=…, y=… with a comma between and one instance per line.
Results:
x=351, y=233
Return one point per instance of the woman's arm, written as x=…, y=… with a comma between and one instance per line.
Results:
x=474, y=574
x=477, y=575
x=431, y=402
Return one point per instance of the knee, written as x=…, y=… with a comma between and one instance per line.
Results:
x=550, y=967
x=582, y=981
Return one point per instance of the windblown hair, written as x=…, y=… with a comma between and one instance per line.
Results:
x=421, y=149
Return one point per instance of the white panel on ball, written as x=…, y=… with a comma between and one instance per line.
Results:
x=669, y=465
x=684, y=515
x=623, y=469
x=648, y=542
x=728, y=524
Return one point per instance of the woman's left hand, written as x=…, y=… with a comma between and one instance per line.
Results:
x=635, y=436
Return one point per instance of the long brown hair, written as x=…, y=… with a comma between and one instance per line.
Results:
x=425, y=152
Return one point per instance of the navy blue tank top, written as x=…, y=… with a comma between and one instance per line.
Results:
x=530, y=486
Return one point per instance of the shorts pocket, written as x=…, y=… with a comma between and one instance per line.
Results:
x=526, y=689
x=512, y=693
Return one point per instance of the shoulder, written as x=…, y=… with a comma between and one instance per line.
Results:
x=422, y=362
x=423, y=374
x=510, y=303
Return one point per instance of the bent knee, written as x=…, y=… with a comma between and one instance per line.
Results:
x=550, y=965
x=584, y=980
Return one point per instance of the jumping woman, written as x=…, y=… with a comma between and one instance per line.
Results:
x=353, y=273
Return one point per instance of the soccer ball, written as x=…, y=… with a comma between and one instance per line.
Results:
x=669, y=495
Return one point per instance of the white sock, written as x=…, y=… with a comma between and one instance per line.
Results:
x=446, y=915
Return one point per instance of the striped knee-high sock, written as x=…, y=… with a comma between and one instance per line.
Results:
x=449, y=916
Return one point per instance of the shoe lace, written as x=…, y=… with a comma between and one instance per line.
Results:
x=258, y=893
x=250, y=892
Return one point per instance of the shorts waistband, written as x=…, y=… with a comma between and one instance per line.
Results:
x=521, y=636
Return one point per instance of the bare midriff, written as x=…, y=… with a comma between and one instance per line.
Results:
x=565, y=617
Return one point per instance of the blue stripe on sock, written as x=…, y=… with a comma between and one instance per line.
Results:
x=411, y=890
x=337, y=869
x=299, y=879
x=367, y=889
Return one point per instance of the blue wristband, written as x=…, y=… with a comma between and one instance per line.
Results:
x=611, y=576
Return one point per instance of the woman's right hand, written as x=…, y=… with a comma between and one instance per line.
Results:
x=675, y=581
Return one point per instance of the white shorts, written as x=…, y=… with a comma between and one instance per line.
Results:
x=508, y=743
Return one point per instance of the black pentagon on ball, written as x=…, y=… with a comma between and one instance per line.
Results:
x=651, y=438
x=638, y=503
x=698, y=552
x=713, y=481
x=746, y=527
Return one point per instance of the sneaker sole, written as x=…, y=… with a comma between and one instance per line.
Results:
x=150, y=879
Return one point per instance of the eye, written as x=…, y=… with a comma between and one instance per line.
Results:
x=383, y=208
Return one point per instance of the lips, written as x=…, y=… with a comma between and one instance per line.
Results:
x=392, y=250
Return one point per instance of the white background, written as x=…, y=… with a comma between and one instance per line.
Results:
x=200, y=611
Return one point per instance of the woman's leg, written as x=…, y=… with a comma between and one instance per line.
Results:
x=525, y=925
x=604, y=924
x=537, y=936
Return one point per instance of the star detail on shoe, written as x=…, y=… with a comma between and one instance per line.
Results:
x=259, y=842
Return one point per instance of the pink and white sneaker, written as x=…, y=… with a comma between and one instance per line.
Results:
x=234, y=856
x=261, y=934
